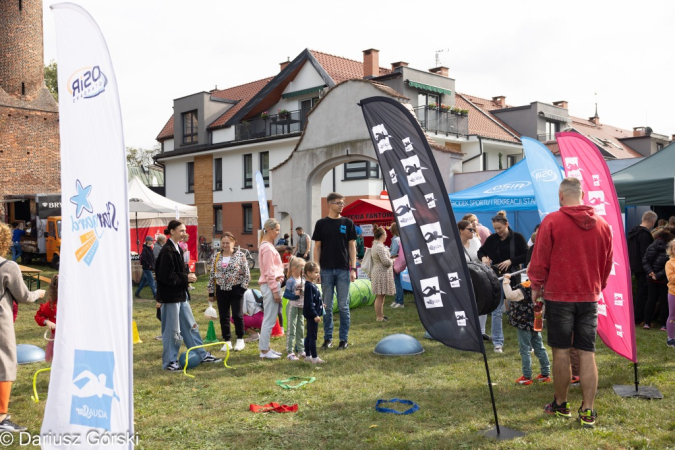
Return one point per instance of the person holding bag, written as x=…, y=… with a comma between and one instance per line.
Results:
x=228, y=282
x=504, y=250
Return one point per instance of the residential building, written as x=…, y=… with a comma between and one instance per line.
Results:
x=215, y=141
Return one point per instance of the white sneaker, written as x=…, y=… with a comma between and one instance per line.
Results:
x=269, y=355
x=317, y=360
x=275, y=352
x=239, y=346
x=499, y=349
x=393, y=305
x=226, y=347
x=254, y=337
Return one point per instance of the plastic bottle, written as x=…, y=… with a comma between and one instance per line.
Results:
x=538, y=316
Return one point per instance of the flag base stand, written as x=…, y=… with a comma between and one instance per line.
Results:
x=628, y=391
x=504, y=433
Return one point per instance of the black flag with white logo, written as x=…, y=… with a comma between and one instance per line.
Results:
x=433, y=251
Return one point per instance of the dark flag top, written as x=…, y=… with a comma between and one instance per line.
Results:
x=433, y=251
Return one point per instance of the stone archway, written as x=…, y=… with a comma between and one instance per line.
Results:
x=336, y=133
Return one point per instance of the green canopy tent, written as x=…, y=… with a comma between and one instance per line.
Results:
x=649, y=182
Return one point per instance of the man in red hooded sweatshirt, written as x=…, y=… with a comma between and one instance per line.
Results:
x=571, y=262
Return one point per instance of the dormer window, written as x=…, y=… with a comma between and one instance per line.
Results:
x=190, y=128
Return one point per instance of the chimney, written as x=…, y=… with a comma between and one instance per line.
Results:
x=561, y=104
x=595, y=119
x=396, y=65
x=440, y=70
x=371, y=63
x=283, y=65
x=638, y=131
x=500, y=101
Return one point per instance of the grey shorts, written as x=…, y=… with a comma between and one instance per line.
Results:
x=572, y=324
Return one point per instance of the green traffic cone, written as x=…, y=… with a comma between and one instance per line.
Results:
x=210, y=334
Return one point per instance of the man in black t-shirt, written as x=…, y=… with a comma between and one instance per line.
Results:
x=335, y=250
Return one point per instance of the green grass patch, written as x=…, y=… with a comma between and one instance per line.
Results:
x=337, y=411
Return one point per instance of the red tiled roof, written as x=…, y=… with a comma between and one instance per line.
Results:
x=602, y=133
x=243, y=93
x=167, y=131
x=482, y=122
x=341, y=69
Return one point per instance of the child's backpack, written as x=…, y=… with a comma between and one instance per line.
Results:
x=367, y=262
x=521, y=314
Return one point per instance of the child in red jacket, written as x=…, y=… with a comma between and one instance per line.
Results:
x=46, y=315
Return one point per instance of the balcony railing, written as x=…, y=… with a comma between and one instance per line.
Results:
x=273, y=125
x=545, y=137
x=442, y=122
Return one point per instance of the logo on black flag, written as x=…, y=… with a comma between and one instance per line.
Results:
x=417, y=256
x=433, y=235
x=453, y=278
x=382, y=138
x=413, y=169
x=461, y=318
x=431, y=200
x=408, y=144
x=403, y=210
x=432, y=293
x=392, y=174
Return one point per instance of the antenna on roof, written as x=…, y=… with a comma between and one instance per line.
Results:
x=438, y=58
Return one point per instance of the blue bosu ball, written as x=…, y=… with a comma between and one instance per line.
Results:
x=398, y=345
x=26, y=354
x=193, y=362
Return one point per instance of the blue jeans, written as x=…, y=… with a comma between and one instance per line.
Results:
x=399, y=288
x=532, y=339
x=16, y=250
x=332, y=280
x=147, y=280
x=178, y=326
x=497, y=331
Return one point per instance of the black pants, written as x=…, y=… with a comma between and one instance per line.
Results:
x=658, y=293
x=310, y=339
x=234, y=300
x=640, y=298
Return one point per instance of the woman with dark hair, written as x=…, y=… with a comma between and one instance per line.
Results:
x=504, y=250
x=12, y=288
x=654, y=262
x=228, y=282
x=178, y=323
x=467, y=234
x=382, y=274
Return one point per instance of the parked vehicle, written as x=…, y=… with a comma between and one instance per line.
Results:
x=41, y=213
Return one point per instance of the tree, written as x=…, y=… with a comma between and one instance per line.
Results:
x=51, y=80
x=141, y=156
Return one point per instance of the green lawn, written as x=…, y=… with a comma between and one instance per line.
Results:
x=210, y=411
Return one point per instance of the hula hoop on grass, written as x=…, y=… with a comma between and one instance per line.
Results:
x=414, y=407
x=35, y=396
x=306, y=380
x=187, y=356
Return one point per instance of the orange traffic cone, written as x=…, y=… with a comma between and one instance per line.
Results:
x=277, y=330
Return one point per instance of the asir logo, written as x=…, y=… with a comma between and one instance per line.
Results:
x=544, y=175
x=87, y=82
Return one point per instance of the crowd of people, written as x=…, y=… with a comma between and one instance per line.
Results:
x=552, y=258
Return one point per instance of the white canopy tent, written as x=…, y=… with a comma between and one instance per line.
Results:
x=152, y=223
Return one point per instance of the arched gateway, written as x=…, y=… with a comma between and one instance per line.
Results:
x=336, y=133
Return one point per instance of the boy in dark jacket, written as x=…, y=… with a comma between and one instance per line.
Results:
x=313, y=311
x=148, y=265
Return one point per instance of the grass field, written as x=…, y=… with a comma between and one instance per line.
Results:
x=337, y=411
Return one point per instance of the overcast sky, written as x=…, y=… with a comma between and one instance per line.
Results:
x=526, y=50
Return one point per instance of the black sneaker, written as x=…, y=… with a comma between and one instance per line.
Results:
x=343, y=345
x=327, y=343
x=211, y=359
x=555, y=409
x=173, y=366
x=587, y=417
x=487, y=338
x=137, y=295
x=8, y=425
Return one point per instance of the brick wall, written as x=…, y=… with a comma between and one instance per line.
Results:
x=204, y=194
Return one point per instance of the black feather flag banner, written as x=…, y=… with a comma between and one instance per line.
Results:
x=433, y=251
